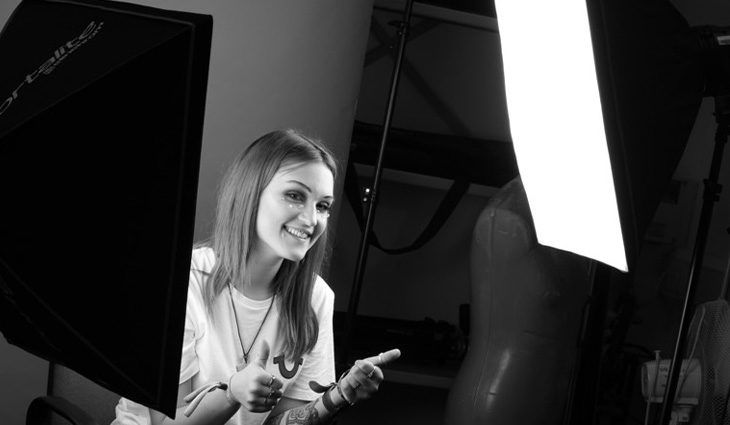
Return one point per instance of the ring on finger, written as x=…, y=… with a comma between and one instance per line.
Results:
x=271, y=382
x=370, y=375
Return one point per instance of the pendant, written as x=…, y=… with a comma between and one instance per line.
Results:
x=242, y=364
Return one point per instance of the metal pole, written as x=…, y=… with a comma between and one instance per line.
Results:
x=372, y=193
x=583, y=390
x=725, y=280
x=712, y=189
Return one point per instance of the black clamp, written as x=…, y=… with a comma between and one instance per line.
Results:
x=401, y=27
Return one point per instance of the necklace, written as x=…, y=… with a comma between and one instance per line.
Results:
x=244, y=360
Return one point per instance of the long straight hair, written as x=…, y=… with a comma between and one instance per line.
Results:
x=234, y=235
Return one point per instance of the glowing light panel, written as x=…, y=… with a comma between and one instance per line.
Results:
x=557, y=128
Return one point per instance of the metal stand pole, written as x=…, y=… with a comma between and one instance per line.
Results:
x=711, y=194
x=583, y=390
x=725, y=281
x=372, y=193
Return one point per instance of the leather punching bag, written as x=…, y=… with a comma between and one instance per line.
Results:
x=526, y=310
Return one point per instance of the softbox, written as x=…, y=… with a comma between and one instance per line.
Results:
x=600, y=112
x=100, y=136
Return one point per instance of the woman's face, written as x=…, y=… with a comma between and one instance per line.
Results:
x=293, y=210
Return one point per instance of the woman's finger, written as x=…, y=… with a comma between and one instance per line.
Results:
x=268, y=380
x=262, y=404
x=360, y=382
x=269, y=402
x=384, y=358
x=370, y=371
x=277, y=385
x=266, y=391
x=377, y=375
x=365, y=366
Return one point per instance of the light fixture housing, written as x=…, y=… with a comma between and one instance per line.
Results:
x=601, y=97
x=101, y=122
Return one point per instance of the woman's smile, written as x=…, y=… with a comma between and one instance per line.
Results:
x=294, y=210
x=298, y=233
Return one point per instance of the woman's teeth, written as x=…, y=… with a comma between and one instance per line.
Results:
x=298, y=233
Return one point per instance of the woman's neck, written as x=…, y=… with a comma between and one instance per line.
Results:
x=261, y=273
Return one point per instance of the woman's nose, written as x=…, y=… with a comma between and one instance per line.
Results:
x=308, y=214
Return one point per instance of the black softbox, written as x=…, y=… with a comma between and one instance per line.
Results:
x=100, y=136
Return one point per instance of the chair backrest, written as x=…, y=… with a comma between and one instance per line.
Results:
x=96, y=401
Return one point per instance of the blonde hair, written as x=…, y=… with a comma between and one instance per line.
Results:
x=235, y=229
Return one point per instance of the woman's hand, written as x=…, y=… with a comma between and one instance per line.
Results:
x=365, y=376
x=253, y=387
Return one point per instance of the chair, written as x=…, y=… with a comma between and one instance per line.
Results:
x=72, y=397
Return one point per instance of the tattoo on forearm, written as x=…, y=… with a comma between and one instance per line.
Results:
x=306, y=415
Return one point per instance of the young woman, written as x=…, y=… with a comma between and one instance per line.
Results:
x=258, y=344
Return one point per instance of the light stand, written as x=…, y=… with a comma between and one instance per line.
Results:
x=711, y=195
x=717, y=64
x=371, y=194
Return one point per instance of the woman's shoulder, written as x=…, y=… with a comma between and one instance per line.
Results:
x=201, y=264
x=202, y=259
x=322, y=293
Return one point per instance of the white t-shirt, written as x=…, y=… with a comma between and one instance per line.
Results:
x=211, y=349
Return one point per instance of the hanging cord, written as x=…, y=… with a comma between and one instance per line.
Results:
x=447, y=206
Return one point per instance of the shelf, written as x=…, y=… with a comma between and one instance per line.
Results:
x=423, y=180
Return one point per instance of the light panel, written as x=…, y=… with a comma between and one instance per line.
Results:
x=557, y=128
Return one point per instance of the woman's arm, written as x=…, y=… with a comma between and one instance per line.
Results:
x=252, y=388
x=360, y=383
x=214, y=409
x=308, y=412
x=290, y=411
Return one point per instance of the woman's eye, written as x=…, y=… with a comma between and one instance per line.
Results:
x=323, y=208
x=294, y=196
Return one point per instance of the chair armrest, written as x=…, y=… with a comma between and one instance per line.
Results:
x=41, y=407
